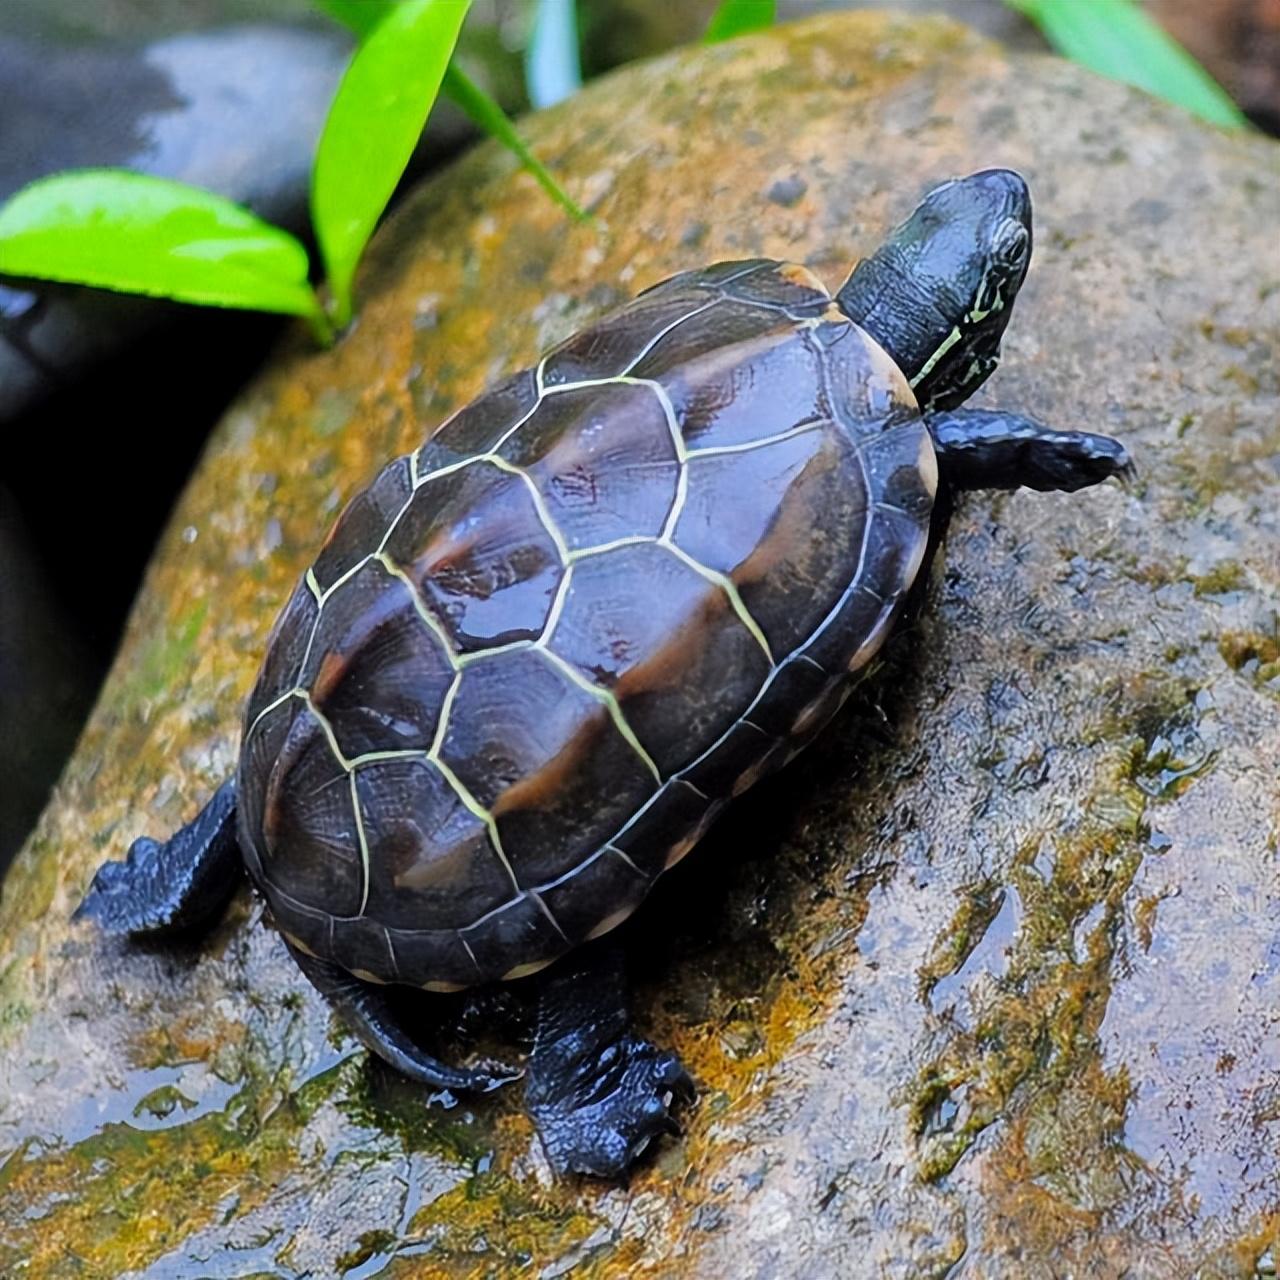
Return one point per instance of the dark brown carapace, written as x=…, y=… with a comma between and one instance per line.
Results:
x=536, y=657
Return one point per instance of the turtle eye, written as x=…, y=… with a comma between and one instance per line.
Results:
x=1009, y=245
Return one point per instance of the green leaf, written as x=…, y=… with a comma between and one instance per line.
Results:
x=493, y=120
x=363, y=15
x=373, y=126
x=1116, y=39
x=737, y=17
x=114, y=229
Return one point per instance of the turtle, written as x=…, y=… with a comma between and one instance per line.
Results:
x=537, y=656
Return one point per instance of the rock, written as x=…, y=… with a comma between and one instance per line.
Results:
x=989, y=986
x=992, y=18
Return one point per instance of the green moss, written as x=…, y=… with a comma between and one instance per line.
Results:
x=167, y=658
x=131, y=1185
x=368, y=1246
x=1224, y=577
x=163, y=1102
x=1037, y=1032
x=1240, y=649
x=1255, y=655
x=492, y=1225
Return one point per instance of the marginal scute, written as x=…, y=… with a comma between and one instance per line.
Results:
x=285, y=649
x=743, y=747
x=364, y=523
x=439, y=955
x=868, y=392
x=309, y=840
x=479, y=426
x=902, y=469
x=712, y=278
x=263, y=742
x=601, y=892
x=853, y=619
x=507, y=942
x=927, y=464
x=794, y=686
x=789, y=287
x=678, y=812
x=613, y=344
x=479, y=555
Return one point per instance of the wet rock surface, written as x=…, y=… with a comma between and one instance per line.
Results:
x=987, y=986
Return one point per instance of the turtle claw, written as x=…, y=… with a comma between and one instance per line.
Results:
x=171, y=886
x=110, y=897
x=676, y=1079
x=603, y=1125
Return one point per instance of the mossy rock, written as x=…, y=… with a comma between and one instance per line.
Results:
x=990, y=986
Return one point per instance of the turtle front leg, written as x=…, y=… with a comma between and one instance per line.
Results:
x=598, y=1093
x=180, y=886
x=985, y=449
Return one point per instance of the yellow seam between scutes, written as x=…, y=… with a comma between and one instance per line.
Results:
x=434, y=625
x=729, y=588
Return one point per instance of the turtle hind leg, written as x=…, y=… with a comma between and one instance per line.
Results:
x=983, y=449
x=597, y=1093
x=181, y=885
x=366, y=1010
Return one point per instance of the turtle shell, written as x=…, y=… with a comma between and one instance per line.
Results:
x=536, y=657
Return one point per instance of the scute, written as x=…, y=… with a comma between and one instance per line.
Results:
x=680, y=661
x=286, y=647
x=608, y=876
x=545, y=758
x=479, y=426
x=660, y=834
x=536, y=658
x=361, y=528
x=865, y=389
x=477, y=552
x=790, y=562
x=309, y=843
x=604, y=460
x=515, y=940
x=430, y=856
x=790, y=288
x=613, y=345
x=375, y=671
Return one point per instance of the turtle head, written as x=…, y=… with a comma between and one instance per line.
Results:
x=938, y=293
